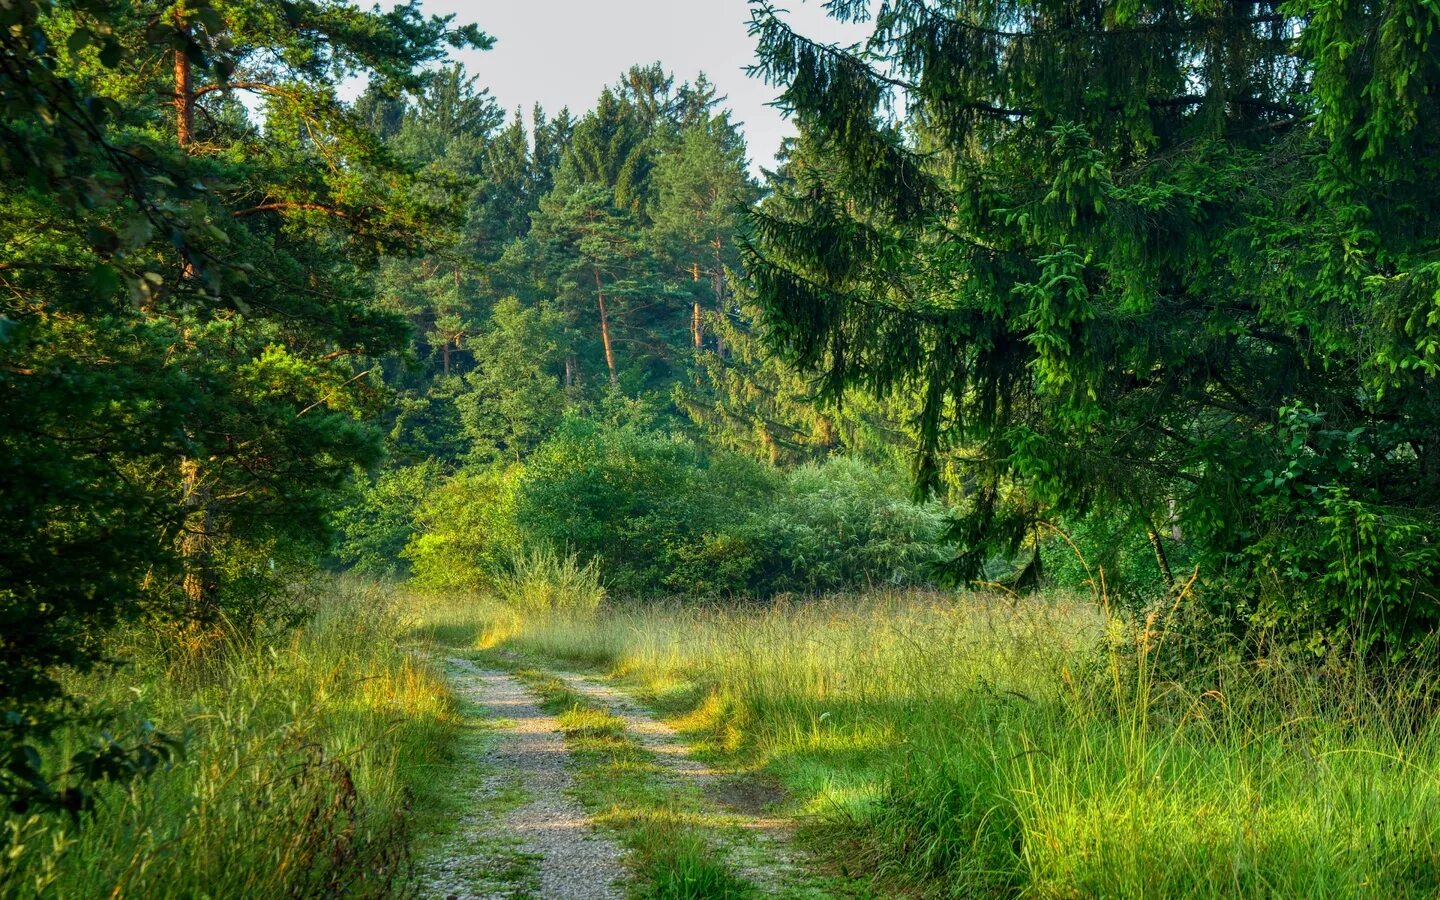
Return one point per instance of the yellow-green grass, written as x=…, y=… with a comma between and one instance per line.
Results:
x=303, y=760
x=983, y=745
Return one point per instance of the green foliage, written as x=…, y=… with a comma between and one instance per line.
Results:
x=842, y=523
x=513, y=398
x=621, y=224
x=1107, y=544
x=629, y=499
x=657, y=515
x=465, y=531
x=379, y=520
x=602, y=253
x=1174, y=260
x=188, y=336
x=602, y=280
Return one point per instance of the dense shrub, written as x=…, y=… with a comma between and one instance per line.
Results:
x=842, y=523
x=379, y=521
x=657, y=515
x=639, y=503
x=465, y=530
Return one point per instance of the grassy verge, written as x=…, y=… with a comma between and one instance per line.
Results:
x=297, y=779
x=986, y=746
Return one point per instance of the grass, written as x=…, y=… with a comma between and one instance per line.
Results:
x=982, y=746
x=301, y=763
x=679, y=843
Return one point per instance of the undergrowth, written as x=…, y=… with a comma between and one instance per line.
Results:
x=299, y=762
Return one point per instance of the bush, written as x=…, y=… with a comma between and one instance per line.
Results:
x=636, y=502
x=655, y=514
x=842, y=523
x=466, y=531
x=380, y=518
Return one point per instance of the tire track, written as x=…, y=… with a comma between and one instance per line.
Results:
x=763, y=853
x=567, y=858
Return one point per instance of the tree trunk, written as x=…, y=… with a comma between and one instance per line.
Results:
x=445, y=356
x=825, y=432
x=1176, y=533
x=1160, y=558
x=196, y=554
x=718, y=286
x=184, y=91
x=695, y=328
x=200, y=586
x=605, y=329
x=569, y=371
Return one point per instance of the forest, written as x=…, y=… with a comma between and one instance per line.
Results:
x=1027, y=484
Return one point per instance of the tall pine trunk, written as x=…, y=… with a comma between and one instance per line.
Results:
x=197, y=556
x=605, y=329
x=184, y=92
x=717, y=284
x=696, y=331
x=195, y=546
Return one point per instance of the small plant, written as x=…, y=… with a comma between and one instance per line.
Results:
x=541, y=581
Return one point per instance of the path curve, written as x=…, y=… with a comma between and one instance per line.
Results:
x=574, y=861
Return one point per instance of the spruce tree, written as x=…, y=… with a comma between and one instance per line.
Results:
x=1169, y=257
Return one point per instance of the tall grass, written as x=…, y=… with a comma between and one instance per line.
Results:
x=300, y=764
x=540, y=582
x=984, y=745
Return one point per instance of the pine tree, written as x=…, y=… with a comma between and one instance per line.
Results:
x=596, y=269
x=702, y=192
x=188, y=329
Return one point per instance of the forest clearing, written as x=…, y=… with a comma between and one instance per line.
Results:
x=911, y=448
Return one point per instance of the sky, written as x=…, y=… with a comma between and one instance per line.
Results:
x=562, y=52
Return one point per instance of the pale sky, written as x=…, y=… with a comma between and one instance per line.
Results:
x=562, y=52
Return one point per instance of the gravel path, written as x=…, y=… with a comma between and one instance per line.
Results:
x=769, y=860
x=572, y=861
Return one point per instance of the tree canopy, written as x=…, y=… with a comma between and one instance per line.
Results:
x=1169, y=258
x=188, y=328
